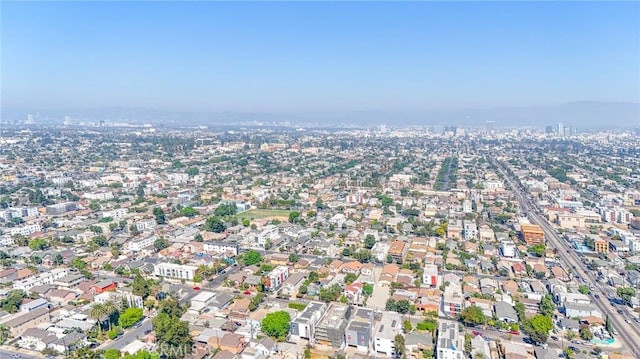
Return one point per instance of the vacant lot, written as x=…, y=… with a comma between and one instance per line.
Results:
x=264, y=213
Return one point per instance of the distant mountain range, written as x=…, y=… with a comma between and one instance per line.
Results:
x=582, y=115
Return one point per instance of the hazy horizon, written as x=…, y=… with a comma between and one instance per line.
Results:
x=301, y=57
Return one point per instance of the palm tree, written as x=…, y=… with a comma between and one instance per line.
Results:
x=110, y=308
x=98, y=312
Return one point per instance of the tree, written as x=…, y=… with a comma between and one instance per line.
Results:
x=58, y=259
x=538, y=327
x=367, y=289
x=406, y=326
x=4, y=333
x=252, y=257
x=293, y=216
x=38, y=244
x=214, y=224
x=98, y=312
x=172, y=334
x=276, y=325
x=86, y=353
x=583, y=289
x=350, y=278
x=311, y=213
x=160, y=243
x=585, y=333
x=399, y=344
x=159, y=214
x=626, y=293
x=130, y=317
x=198, y=237
x=140, y=286
x=111, y=354
x=188, y=212
x=473, y=316
x=538, y=250
x=293, y=258
x=330, y=294
x=13, y=300
x=369, y=241
x=547, y=307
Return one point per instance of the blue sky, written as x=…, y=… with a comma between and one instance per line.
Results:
x=317, y=56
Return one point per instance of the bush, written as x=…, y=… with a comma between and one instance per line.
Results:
x=113, y=333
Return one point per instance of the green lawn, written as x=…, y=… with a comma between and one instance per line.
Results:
x=263, y=213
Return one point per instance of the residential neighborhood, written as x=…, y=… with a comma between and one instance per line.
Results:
x=292, y=243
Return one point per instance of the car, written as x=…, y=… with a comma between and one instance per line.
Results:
x=514, y=332
x=574, y=349
x=147, y=331
x=196, y=288
x=16, y=355
x=475, y=333
x=597, y=296
x=627, y=320
x=246, y=292
x=619, y=311
x=637, y=319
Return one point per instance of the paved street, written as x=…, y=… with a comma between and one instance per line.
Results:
x=8, y=354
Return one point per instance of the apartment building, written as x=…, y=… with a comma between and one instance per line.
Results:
x=398, y=251
x=360, y=330
x=50, y=277
x=532, y=234
x=221, y=247
x=175, y=271
x=23, y=321
x=390, y=326
x=277, y=276
x=452, y=300
x=25, y=230
x=304, y=325
x=138, y=244
x=450, y=344
x=330, y=329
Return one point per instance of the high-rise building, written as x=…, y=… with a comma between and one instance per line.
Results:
x=560, y=129
x=548, y=129
x=490, y=126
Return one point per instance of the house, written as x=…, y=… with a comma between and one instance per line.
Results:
x=36, y=339
x=398, y=251
x=232, y=342
x=351, y=267
x=104, y=286
x=519, y=269
x=388, y=274
x=292, y=284
x=505, y=312
x=353, y=292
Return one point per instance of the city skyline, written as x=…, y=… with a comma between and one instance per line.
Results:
x=341, y=58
